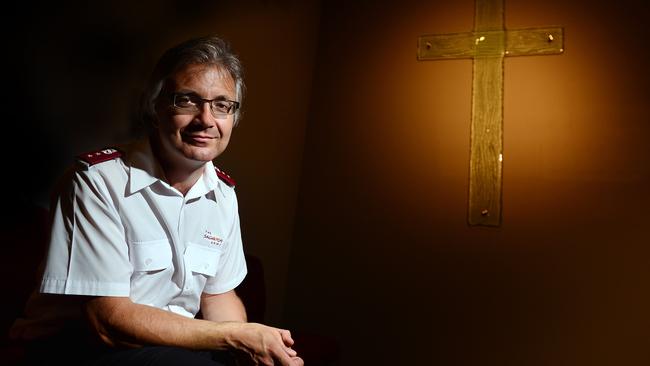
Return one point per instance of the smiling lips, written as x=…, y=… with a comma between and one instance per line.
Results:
x=199, y=138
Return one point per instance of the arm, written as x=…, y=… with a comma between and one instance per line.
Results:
x=223, y=307
x=120, y=322
x=229, y=307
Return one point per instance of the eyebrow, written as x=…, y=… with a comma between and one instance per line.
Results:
x=193, y=93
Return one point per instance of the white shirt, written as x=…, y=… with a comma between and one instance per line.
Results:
x=120, y=230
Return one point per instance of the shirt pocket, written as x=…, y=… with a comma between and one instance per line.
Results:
x=151, y=255
x=202, y=259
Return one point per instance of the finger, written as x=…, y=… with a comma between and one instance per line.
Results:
x=297, y=361
x=291, y=352
x=282, y=355
x=286, y=337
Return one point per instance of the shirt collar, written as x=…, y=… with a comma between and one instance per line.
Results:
x=144, y=171
x=209, y=181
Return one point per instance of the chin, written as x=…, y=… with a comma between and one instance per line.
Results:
x=203, y=157
x=201, y=154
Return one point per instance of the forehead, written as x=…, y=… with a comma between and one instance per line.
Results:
x=203, y=79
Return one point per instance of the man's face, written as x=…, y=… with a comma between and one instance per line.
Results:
x=196, y=136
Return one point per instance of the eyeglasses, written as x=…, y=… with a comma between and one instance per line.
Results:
x=191, y=103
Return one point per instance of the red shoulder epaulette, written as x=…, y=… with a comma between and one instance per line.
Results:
x=99, y=156
x=225, y=177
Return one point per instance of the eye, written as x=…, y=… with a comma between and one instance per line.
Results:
x=183, y=101
x=221, y=106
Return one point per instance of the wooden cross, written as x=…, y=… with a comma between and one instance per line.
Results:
x=487, y=45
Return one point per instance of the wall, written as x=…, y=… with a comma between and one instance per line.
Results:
x=74, y=71
x=382, y=257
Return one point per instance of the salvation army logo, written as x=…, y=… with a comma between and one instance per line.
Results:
x=213, y=239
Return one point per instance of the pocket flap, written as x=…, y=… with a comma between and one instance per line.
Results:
x=202, y=259
x=151, y=255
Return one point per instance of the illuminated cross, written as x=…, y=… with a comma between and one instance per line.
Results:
x=487, y=45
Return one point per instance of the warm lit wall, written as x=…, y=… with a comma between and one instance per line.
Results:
x=382, y=257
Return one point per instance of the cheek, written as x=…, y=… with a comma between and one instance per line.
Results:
x=227, y=129
x=175, y=122
x=228, y=125
x=227, y=134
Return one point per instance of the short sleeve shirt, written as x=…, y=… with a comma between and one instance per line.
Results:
x=120, y=230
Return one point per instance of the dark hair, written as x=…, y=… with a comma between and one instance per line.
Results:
x=210, y=50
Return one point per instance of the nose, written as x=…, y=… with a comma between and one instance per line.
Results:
x=205, y=115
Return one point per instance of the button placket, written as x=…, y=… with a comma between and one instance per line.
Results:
x=187, y=273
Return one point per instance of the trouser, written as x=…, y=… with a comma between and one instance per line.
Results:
x=162, y=356
x=76, y=355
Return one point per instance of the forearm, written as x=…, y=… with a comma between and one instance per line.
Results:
x=223, y=307
x=120, y=322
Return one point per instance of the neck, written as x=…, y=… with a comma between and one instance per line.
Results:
x=182, y=180
x=178, y=172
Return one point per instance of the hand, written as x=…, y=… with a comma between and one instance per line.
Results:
x=263, y=345
x=245, y=360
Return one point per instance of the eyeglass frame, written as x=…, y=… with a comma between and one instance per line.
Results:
x=194, y=98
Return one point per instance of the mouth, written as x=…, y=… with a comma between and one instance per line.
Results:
x=199, y=139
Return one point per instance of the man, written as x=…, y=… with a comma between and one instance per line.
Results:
x=147, y=235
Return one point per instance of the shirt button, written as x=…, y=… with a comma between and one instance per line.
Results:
x=206, y=265
x=147, y=262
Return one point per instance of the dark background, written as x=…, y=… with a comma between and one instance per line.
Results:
x=352, y=166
